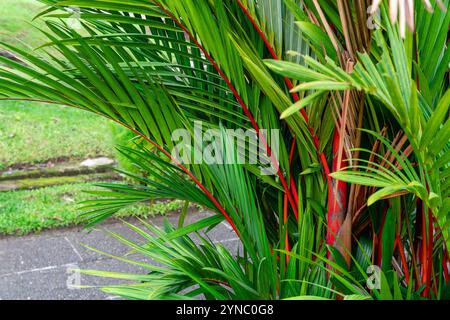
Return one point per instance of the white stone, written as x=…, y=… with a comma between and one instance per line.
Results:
x=90, y=163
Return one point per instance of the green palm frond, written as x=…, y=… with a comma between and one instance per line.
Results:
x=340, y=96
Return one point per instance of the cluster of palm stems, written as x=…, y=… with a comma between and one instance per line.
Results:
x=359, y=205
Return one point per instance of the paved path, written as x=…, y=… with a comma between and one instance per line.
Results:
x=36, y=267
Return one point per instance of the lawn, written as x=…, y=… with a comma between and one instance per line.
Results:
x=22, y=212
x=15, y=19
x=32, y=132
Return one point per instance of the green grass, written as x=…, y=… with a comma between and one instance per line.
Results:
x=31, y=132
x=15, y=19
x=23, y=212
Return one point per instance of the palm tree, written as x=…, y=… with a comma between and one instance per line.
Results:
x=361, y=170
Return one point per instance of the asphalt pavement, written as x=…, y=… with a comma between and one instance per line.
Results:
x=38, y=267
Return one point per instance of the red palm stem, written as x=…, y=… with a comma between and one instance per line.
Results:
x=337, y=196
x=182, y=167
x=292, y=182
x=323, y=160
x=241, y=103
x=430, y=249
x=285, y=219
x=290, y=86
x=424, y=254
x=401, y=250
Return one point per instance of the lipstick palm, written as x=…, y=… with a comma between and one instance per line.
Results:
x=361, y=173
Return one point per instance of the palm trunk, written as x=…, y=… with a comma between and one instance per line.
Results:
x=337, y=199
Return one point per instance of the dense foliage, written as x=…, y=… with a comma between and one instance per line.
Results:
x=361, y=102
